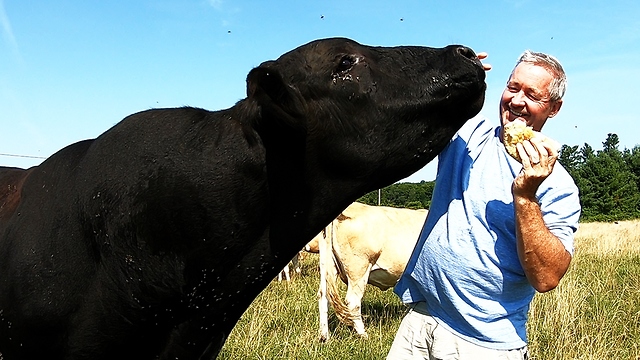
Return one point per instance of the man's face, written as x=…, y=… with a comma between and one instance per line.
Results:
x=526, y=97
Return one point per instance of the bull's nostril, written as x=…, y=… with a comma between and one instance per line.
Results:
x=466, y=52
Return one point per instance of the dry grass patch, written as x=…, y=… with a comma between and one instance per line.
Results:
x=595, y=312
x=606, y=239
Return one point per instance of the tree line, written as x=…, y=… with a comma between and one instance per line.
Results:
x=608, y=180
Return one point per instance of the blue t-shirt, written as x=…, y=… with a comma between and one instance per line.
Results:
x=465, y=264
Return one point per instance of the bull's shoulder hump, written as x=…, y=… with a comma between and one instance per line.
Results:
x=11, y=182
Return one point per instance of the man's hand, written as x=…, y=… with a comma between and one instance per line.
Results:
x=538, y=159
x=482, y=56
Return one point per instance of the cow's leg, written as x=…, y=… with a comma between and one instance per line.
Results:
x=323, y=309
x=284, y=272
x=296, y=262
x=325, y=262
x=327, y=268
x=355, y=292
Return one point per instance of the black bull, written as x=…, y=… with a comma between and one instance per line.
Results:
x=150, y=241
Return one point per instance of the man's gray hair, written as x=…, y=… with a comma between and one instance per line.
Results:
x=559, y=83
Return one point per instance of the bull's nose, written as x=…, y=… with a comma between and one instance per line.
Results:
x=466, y=52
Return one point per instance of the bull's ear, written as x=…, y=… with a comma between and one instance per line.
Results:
x=275, y=97
x=263, y=78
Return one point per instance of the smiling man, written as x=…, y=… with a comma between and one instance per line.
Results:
x=534, y=91
x=498, y=230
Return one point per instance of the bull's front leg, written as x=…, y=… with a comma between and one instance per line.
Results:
x=213, y=316
x=210, y=318
x=214, y=313
x=194, y=340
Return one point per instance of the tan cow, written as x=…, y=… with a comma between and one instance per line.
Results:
x=365, y=244
x=285, y=274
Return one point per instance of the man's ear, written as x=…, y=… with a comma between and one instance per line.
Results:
x=275, y=97
x=555, y=107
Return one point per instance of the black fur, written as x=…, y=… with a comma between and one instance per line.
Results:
x=150, y=241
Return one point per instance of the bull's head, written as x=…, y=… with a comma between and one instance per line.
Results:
x=402, y=103
x=365, y=116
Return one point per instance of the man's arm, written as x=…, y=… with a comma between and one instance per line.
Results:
x=543, y=257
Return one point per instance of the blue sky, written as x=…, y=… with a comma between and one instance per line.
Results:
x=71, y=69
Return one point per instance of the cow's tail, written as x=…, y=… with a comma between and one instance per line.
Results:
x=340, y=308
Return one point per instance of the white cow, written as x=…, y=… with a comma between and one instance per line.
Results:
x=285, y=274
x=365, y=244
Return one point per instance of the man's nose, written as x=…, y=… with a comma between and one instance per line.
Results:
x=518, y=98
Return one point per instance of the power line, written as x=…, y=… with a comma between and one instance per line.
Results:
x=23, y=156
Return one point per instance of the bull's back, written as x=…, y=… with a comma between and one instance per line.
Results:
x=11, y=182
x=39, y=253
x=64, y=220
x=37, y=186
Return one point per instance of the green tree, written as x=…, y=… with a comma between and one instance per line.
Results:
x=608, y=188
x=570, y=158
x=405, y=195
x=610, y=145
x=632, y=159
x=587, y=152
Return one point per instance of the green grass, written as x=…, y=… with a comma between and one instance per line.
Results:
x=282, y=323
x=593, y=314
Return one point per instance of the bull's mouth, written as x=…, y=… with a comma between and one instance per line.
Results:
x=448, y=88
x=461, y=94
x=467, y=98
x=457, y=98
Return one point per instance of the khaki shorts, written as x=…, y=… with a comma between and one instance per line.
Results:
x=420, y=337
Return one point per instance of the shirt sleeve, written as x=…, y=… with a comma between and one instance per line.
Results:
x=560, y=206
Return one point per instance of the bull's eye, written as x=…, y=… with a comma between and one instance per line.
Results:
x=346, y=63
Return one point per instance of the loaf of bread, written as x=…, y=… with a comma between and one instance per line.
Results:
x=516, y=132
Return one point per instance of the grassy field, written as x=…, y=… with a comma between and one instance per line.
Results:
x=593, y=314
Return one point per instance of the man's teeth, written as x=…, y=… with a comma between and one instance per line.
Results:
x=516, y=113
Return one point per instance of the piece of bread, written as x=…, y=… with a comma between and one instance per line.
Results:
x=517, y=132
